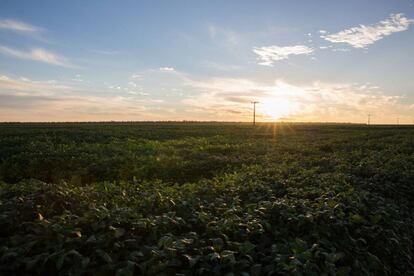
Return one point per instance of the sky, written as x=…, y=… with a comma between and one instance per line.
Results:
x=313, y=61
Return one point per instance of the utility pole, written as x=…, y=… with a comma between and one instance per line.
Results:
x=254, y=112
x=369, y=119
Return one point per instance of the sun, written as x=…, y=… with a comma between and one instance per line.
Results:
x=276, y=109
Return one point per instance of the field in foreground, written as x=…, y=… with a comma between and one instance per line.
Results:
x=205, y=199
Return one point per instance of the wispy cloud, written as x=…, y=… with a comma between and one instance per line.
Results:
x=167, y=69
x=33, y=53
x=22, y=99
x=362, y=36
x=220, y=66
x=18, y=26
x=229, y=37
x=37, y=54
x=78, y=78
x=70, y=108
x=105, y=52
x=24, y=86
x=130, y=88
x=136, y=76
x=325, y=47
x=229, y=99
x=269, y=54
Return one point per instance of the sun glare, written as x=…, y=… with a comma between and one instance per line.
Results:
x=276, y=109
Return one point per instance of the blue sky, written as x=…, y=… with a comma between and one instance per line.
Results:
x=207, y=60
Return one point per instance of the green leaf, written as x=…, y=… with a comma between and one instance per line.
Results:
x=75, y=253
x=76, y=233
x=299, y=246
x=165, y=241
x=213, y=256
x=373, y=261
x=128, y=270
x=119, y=232
x=85, y=262
x=228, y=256
x=104, y=256
x=356, y=218
x=343, y=271
x=217, y=243
x=60, y=261
x=376, y=218
x=256, y=270
x=246, y=247
x=191, y=260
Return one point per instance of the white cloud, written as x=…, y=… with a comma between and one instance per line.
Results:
x=269, y=54
x=226, y=99
x=220, y=66
x=25, y=86
x=133, y=84
x=229, y=99
x=70, y=108
x=105, y=52
x=341, y=50
x=78, y=78
x=167, y=69
x=18, y=26
x=362, y=36
x=37, y=54
x=229, y=37
x=22, y=99
x=325, y=47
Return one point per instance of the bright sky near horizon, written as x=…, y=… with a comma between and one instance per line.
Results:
x=327, y=61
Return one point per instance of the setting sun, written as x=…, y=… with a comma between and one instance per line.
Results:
x=276, y=109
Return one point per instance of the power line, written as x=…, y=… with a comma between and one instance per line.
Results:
x=254, y=111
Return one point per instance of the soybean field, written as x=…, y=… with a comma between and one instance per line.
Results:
x=206, y=199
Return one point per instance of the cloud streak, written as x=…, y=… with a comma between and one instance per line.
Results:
x=37, y=54
x=362, y=36
x=227, y=36
x=22, y=99
x=18, y=26
x=105, y=52
x=24, y=86
x=269, y=54
x=316, y=101
x=167, y=69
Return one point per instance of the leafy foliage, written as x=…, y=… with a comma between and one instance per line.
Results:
x=206, y=199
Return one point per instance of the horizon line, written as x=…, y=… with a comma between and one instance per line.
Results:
x=198, y=121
